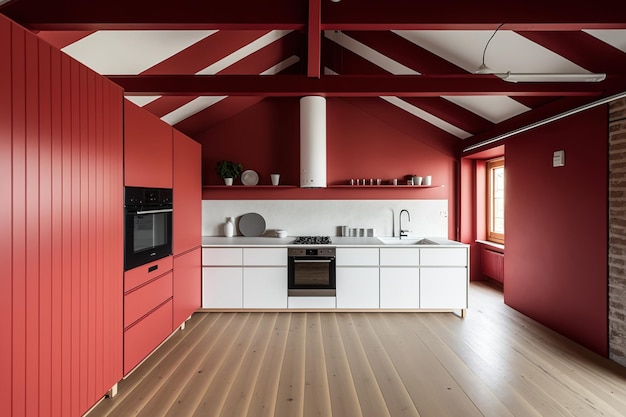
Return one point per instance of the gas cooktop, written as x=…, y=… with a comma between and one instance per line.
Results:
x=313, y=240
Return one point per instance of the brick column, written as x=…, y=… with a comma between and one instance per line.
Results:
x=617, y=231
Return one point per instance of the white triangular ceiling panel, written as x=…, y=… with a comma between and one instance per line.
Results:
x=130, y=52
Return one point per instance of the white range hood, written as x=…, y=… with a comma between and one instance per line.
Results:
x=313, y=142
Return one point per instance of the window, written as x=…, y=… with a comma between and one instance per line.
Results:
x=495, y=200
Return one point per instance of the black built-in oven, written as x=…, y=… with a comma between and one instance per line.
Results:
x=311, y=271
x=147, y=225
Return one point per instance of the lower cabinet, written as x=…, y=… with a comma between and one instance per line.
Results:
x=265, y=287
x=443, y=288
x=367, y=278
x=186, y=285
x=148, y=309
x=357, y=288
x=399, y=287
x=145, y=335
x=222, y=287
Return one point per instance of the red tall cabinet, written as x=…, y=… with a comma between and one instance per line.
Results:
x=161, y=295
x=61, y=172
x=187, y=226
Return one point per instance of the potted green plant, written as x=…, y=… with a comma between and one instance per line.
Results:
x=228, y=170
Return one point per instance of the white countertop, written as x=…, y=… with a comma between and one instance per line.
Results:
x=267, y=241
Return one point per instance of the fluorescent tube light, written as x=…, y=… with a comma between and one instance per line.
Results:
x=551, y=78
x=545, y=121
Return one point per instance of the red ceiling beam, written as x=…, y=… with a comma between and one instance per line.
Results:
x=347, y=86
x=314, y=66
x=292, y=14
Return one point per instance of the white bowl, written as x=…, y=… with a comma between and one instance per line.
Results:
x=281, y=233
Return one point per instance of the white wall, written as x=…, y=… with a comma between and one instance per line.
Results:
x=324, y=217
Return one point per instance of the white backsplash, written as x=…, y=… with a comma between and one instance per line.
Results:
x=325, y=217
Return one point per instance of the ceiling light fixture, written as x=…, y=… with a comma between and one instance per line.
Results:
x=559, y=116
x=511, y=77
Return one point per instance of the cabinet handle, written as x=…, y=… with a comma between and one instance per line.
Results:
x=312, y=261
x=153, y=268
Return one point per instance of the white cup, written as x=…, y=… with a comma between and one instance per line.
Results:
x=417, y=180
x=275, y=178
x=428, y=180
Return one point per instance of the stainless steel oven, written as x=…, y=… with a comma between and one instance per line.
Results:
x=147, y=225
x=311, y=271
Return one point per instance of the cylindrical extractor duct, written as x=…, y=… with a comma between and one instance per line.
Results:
x=312, y=142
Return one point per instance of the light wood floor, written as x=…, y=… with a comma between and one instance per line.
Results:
x=495, y=362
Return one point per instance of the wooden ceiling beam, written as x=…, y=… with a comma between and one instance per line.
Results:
x=346, y=86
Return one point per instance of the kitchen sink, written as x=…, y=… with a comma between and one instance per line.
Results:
x=406, y=241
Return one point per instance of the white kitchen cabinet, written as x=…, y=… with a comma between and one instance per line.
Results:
x=222, y=287
x=357, y=287
x=399, y=287
x=443, y=288
x=222, y=256
x=443, y=256
x=265, y=287
x=399, y=257
x=357, y=257
x=265, y=256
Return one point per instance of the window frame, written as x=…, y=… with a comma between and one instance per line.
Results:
x=490, y=166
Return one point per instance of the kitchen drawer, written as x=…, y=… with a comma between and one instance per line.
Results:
x=399, y=256
x=443, y=257
x=265, y=256
x=357, y=257
x=146, y=335
x=222, y=256
x=144, y=273
x=311, y=302
x=140, y=301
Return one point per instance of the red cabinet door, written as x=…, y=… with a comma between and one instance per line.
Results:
x=147, y=149
x=187, y=285
x=187, y=193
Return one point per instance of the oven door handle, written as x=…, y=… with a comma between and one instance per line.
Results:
x=154, y=211
x=310, y=261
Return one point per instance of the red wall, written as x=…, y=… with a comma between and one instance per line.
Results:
x=556, y=227
x=61, y=176
x=265, y=138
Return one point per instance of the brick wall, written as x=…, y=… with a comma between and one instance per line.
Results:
x=617, y=231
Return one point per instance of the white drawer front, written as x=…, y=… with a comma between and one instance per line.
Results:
x=443, y=257
x=399, y=256
x=311, y=302
x=265, y=256
x=357, y=257
x=222, y=256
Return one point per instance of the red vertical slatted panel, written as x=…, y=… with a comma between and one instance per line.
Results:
x=56, y=242
x=66, y=225
x=61, y=143
x=114, y=254
x=46, y=218
x=92, y=213
x=18, y=339
x=6, y=251
x=32, y=226
x=84, y=255
x=75, y=249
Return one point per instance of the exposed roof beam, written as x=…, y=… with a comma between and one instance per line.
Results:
x=314, y=66
x=346, y=86
x=293, y=14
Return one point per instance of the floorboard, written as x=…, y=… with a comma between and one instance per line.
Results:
x=495, y=362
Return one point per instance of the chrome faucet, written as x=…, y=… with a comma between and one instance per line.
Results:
x=403, y=233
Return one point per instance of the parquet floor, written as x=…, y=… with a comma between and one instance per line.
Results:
x=495, y=362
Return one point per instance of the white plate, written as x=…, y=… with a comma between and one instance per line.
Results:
x=252, y=225
x=249, y=177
